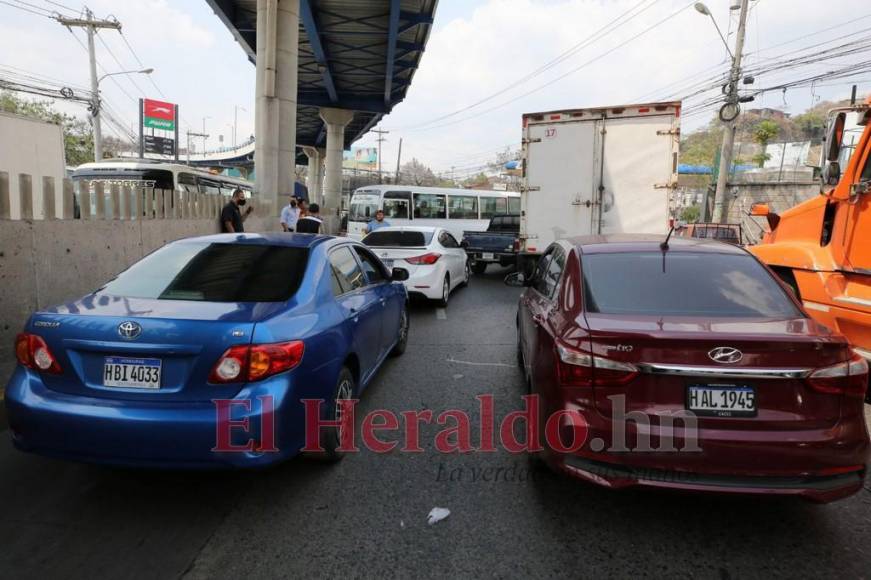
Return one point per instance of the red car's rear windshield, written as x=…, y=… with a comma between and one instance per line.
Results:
x=683, y=284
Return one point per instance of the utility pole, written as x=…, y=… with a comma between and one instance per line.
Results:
x=728, y=114
x=91, y=25
x=381, y=139
x=398, y=159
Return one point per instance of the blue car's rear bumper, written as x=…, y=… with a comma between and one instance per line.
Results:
x=150, y=434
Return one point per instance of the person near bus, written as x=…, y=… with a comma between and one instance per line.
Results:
x=378, y=222
x=232, y=217
x=290, y=215
x=310, y=224
x=302, y=204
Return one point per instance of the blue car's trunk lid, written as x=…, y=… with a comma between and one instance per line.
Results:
x=187, y=337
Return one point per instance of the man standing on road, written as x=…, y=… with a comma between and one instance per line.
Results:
x=310, y=224
x=378, y=222
x=231, y=215
x=290, y=215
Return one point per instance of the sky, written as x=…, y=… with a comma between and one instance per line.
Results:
x=479, y=50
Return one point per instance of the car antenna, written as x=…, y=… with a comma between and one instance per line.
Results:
x=664, y=245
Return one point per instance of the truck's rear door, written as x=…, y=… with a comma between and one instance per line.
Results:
x=561, y=181
x=640, y=165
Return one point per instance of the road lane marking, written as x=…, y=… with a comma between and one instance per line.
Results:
x=478, y=364
x=441, y=314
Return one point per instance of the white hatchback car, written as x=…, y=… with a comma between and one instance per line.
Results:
x=435, y=261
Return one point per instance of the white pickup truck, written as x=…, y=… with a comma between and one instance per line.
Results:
x=597, y=171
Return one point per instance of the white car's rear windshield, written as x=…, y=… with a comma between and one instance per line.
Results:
x=398, y=239
x=683, y=284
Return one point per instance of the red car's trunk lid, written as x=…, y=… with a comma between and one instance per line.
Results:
x=675, y=354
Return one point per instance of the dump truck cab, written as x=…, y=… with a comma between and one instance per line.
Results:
x=822, y=247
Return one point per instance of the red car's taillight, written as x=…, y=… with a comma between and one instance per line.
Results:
x=846, y=378
x=426, y=259
x=33, y=353
x=576, y=368
x=257, y=361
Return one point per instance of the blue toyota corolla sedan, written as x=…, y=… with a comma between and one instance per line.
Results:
x=188, y=357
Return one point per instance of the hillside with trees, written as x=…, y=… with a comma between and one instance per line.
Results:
x=701, y=147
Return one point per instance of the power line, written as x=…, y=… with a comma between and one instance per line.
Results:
x=34, y=6
x=64, y=6
x=138, y=60
x=120, y=65
x=25, y=9
x=559, y=59
x=561, y=77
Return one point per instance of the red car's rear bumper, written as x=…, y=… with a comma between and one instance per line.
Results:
x=820, y=465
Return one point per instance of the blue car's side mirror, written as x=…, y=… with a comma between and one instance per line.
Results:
x=399, y=275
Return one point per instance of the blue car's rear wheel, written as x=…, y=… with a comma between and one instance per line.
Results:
x=331, y=436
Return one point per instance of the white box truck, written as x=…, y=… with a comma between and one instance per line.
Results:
x=597, y=171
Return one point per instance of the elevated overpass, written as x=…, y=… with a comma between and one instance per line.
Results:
x=327, y=72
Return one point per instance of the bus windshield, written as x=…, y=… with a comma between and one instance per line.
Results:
x=363, y=208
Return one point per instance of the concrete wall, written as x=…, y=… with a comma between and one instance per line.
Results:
x=763, y=187
x=34, y=147
x=43, y=263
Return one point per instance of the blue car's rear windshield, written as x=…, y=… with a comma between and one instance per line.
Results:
x=211, y=272
x=683, y=284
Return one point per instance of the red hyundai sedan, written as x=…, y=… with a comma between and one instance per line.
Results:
x=692, y=367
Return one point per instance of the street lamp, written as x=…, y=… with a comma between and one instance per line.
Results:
x=95, y=108
x=702, y=8
x=730, y=109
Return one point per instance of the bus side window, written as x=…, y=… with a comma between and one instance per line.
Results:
x=514, y=205
x=429, y=206
x=186, y=182
x=396, y=209
x=463, y=207
x=491, y=206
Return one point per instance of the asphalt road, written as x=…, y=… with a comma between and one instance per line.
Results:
x=366, y=516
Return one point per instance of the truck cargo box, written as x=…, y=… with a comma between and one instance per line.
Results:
x=599, y=170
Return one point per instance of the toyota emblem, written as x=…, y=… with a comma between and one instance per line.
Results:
x=129, y=330
x=725, y=355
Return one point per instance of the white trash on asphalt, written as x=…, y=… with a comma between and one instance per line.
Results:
x=437, y=514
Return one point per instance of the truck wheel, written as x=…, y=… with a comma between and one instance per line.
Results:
x=479, y=267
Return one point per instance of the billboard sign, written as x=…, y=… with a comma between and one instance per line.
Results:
x=158, y=115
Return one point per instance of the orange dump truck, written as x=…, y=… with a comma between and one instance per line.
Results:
x=822, y=247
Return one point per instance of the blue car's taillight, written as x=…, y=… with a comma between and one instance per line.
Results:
x=256, y=362
x=32, y=352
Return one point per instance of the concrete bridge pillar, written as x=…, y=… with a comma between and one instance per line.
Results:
x=336, y=120
x=275, y=101
x=313, y=181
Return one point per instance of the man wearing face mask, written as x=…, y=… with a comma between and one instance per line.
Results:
x=231, y=215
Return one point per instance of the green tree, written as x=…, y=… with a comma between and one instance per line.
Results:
x=763, y=133
x=691, y=214
x=78, y=137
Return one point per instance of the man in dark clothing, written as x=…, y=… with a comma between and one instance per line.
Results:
x=310, y=224
x=231, y=215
